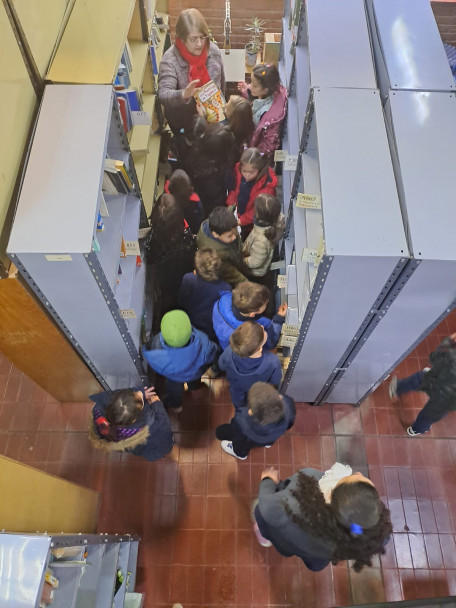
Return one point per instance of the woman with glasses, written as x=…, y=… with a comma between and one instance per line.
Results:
x=189, y=63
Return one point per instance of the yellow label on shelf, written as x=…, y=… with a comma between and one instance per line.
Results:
x=58, y=257
x=280, y=155
x=289, y=341
x=127, y=313
x=282, y=281
x=308, y=201
x=132, y=248
x=290, y=330
x=309, y=255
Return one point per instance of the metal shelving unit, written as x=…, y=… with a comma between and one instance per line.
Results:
x=85, y=577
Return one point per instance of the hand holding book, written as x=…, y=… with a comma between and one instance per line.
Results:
x=190, y=89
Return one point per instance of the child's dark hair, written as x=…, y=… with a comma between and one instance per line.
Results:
x=249, y=297
x=123, y=409
x=180, y=186
x=252, y=156
x=241, y=120
x=268, y=77
x=247, y=339
x=266, y=403
x=221, y=220
x=208, y=264
x=167, y=217
x=267, y=212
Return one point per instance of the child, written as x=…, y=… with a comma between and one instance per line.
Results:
x=268, y=229
x=131, y=420
x=201, y=288
x=180, y=186
x=181, y=354
x=252, y=176
x=246, y=362
x=269, y=107
x=267, y=416
x=246, y=302
x=220, y=232
x=238, y=112
x=439, y=382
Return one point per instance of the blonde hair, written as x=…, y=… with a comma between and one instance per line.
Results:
x=208, y=264
x=191, y=19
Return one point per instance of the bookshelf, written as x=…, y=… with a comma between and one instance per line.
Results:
x=85, y=566
x=95, y=295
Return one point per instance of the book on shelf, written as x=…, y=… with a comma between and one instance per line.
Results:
x=124, y=114
x=213, y=101
x=128, y=102
x=117, y=173
x=127, y=56
x=107, y=185
x=153, y=59
x=122, y=77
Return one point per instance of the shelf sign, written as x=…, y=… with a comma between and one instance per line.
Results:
x=289, y=341
x=280, y=156
x=58, y=257
x=132, y=248
x=308, y=201
x=320, y=251
x=291, y=162
x=277, y=265
x=140, y=117
x=282, y=281
x=309, y=255
x=290, y=330
x=127, y=313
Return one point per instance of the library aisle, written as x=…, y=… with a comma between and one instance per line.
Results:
x=192, y=508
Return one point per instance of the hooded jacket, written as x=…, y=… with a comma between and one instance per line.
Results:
x=230, y=254
x=268, y=433
x=267, y=184
x=181, y=364
x=150, y=436
x=440, y=381
x=243, y=372
x=225, y=322
x=268, y=132
x=258, y=249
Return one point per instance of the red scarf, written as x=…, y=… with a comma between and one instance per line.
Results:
x=197, y=63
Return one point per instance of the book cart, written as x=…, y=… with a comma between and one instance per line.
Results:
x=83, y=569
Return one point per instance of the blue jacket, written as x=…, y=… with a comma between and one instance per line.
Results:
x=267, y=434
x=225, y=322
x=197, y=298
x=181, y=364
x=243, y=372
x=154, y=437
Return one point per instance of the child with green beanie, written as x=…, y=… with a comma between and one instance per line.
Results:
x=181, y=354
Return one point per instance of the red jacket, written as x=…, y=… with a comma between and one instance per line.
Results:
x=266, y=184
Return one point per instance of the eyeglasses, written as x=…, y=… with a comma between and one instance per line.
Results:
x=195, y=39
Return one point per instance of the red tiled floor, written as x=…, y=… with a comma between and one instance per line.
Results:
x=192, y=509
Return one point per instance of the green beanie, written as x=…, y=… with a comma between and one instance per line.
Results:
x=176, y=328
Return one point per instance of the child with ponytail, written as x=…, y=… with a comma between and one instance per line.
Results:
x=268, y=227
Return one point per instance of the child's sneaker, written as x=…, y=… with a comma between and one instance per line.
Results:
x=392, y=389
x=227, y=447
x=264, y=542
x=426, y=369
x=411, y=432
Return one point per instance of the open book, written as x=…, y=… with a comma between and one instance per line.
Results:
x=211, y=98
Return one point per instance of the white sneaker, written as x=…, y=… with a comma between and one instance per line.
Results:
x=392, y=389
x=426, y=369
x=227, y=447
x=264, y=542
x=411, y=432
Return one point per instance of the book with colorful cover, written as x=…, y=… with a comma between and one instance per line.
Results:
x=213, y=101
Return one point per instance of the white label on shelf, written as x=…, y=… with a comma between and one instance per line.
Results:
x=320, y=251
x=132, y=248
x=141, y=117
x=127, y=313
x=308, y=201
x=309, y=255
x=280, y=156
x=291, y=162
x=143, y=232
x=281, y=281
x=290, y=330
x=287, y=341
x=58, y=257
x=278, y=265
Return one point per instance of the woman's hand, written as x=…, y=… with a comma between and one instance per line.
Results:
x=190, y=89
x=270, y=473
x=150, y=394
x=200, y=109
x=242, y=87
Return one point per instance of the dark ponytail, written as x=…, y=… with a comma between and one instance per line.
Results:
x=268, y=213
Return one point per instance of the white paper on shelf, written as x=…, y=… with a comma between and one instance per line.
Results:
x=308, y=201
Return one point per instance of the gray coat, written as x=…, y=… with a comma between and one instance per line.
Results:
x=173, y=79
x=258, y=249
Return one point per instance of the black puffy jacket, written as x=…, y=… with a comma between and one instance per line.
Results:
x=440, y=382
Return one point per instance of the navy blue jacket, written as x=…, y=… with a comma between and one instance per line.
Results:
x=181, y=364
x=243, y=372
x=267, y=434
x=197, y=298
x=225, y=322
x=152, y=445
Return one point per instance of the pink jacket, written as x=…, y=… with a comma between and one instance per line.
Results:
x=266, y=136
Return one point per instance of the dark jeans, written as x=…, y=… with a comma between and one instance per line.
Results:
x=241, y=444
x=430, y=412
x=312, y=563
x=175, y=392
